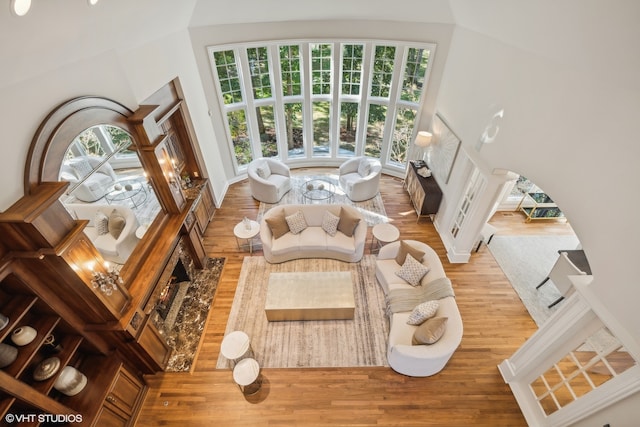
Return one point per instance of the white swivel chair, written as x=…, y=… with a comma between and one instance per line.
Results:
x=269, y=179
x=559, y=275
x=360, y=178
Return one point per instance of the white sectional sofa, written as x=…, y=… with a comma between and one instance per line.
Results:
x=404, y=357
x=313, y=241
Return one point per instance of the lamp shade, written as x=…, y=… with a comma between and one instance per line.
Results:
x=423, y=139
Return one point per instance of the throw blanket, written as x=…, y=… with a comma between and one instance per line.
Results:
x=400, y=300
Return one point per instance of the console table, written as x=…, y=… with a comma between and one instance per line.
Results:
x=425, y=193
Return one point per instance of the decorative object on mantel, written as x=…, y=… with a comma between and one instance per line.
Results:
x=361, y=341
x=23, y=335
x=444, y=151
x=106, y=282
x=191, y=319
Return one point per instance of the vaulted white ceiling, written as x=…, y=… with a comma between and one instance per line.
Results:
x=57, y=33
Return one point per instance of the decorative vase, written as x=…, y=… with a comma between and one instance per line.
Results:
x=23, y=335
x=247, y=223
x=8, y=354
x=70, y=381
x=4, y=321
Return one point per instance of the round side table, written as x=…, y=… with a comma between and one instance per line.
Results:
x=247, y=375
x=235, y=347
x=246, y=232
x=383, y=234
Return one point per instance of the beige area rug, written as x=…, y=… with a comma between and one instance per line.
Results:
x=361, y=341
x=372, y=209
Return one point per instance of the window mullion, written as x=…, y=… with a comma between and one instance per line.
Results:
x=247, y=93
x=278, y=100
x=334, y=116
x=307, y=102
x=365, y=88
x=392, y=107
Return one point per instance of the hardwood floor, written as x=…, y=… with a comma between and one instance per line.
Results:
x=469, y=391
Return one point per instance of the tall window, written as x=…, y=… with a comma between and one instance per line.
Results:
x=331, y=99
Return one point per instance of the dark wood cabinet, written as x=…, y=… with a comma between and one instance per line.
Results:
x=122, y=401
x=425, y=193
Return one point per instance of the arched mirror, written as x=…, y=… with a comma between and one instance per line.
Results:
x=109, y=188
x=88, y=143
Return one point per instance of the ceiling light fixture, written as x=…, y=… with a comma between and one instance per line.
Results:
x=92, y=2
x=20, y=7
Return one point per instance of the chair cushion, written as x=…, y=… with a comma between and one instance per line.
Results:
x=406, y=248
x=348, y=222
x=412, y=271
x=364, y=167
x=296, y=222
x=430, y=331
x=263, y=170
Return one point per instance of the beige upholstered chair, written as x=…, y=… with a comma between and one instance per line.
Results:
x=100, y=177
x=360, y=178
x=269, y=179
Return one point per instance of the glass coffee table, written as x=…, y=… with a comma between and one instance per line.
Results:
x=128, y=191
x=317, y=190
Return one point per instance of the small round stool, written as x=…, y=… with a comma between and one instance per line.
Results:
x=246, y=374
x=235, y=347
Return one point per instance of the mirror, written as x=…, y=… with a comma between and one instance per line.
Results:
x=109, y=188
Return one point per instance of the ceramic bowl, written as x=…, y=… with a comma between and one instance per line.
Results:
x=4, y=321
x=46, y=369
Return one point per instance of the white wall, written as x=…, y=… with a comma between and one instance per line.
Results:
x=571, y=130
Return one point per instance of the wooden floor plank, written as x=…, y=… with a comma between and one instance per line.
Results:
x=469, y=391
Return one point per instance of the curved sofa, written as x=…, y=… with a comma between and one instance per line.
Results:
x=313, y=242
x=403, y=357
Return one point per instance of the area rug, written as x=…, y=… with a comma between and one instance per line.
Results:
x=184, y=337
x=361, y=341
x=372, y=209
x=527, y=261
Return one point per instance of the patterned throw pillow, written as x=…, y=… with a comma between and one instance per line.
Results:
x=330, y=223
x=430, y=331
x=422, y=312
x=412, y=271
x=296, y=222
x=101, y=222
x=364, y=167
x=263, y=170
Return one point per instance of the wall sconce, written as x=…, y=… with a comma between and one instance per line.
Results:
x=422, y=141
x=105, y=282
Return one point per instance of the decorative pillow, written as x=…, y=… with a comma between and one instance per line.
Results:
x=422, y=312
x=330, y=223
x=101, y=223
x=116, y=223
x=430, y=331
x=412, y=271
x=263, y=170
x=348, y=222
x=364, y=167
x=278, y=225
x=405, y=249
x=296, y=222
